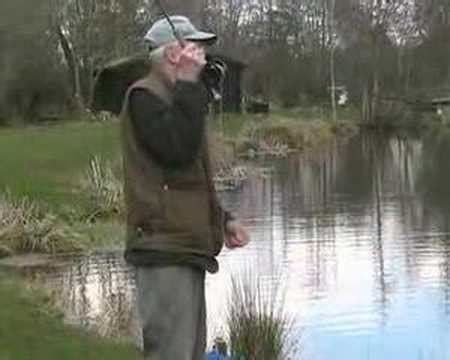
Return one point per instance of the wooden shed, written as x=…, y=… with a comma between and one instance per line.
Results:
x=113, y=80
x=232, y=91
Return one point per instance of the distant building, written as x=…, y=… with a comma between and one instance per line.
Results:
x=232, y=89
x=113, y=80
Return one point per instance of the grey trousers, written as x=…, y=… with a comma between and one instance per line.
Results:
x=172, y=310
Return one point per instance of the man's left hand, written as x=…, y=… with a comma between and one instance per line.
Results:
x=235, y=235
x=191, y=62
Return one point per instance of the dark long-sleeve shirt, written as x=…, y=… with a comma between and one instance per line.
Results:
x=172, y=134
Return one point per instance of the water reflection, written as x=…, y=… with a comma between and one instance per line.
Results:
x=96, y=292
x=357, y=235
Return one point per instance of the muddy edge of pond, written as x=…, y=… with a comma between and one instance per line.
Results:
x=27, y=261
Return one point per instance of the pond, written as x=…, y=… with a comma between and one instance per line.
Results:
x=356, y=235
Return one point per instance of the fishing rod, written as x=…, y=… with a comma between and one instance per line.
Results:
x=172, y=26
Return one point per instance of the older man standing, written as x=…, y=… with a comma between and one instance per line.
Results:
x=175, y=225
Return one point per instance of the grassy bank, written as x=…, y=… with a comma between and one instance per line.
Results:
x=233, y=124
x=282, y=132
x=42, y=195
x=63, y=181
x=45, y=197
x=45, y=163
x=31, y=329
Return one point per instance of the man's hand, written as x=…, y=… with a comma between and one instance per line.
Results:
x=235, y=235
x=191, y=62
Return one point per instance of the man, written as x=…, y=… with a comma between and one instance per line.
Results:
x=175, y=225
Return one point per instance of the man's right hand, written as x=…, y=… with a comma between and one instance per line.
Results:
x=191, y=62
x=235, y=235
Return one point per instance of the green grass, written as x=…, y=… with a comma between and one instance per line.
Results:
x=109, y=235
x=45, y=163
x=280, y=132
x=47, y=166
x=30, y=329
x=24, y=227
x=232, y=123
x=322, y=113
x=258, y=327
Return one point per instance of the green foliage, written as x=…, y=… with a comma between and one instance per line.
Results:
x=284, y=130
x=51, y=50
x=258, y=328
x=31, y=329
x=31, y=72
x=44, y=167
x=107, y=234
x=44, y=163
x=280, y=134
x=25, y=227
x=232, y=123
x=104, y=190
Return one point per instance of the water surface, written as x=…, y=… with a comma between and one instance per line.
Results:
x=357, y=235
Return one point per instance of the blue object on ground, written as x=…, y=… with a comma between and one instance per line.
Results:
x=214, y=355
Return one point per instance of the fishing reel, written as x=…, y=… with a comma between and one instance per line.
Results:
x=213, y=76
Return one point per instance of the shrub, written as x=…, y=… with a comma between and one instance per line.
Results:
x=104, y=190
x=281, y=135
x=258, y=328
x=25, y=227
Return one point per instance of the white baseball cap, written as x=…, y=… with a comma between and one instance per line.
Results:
x=161, y=32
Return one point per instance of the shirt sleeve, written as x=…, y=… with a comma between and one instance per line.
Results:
x=172, y=134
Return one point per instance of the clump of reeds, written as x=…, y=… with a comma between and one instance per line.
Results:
x=280, y=135
x=26, y=227
x=104, y=190
x=266, y=138
x=258, y=327
x=230, y=178
x=229, y=172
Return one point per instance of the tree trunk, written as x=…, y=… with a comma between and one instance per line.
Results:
x=333, y=84
x=366, y=105
x=74, y=70
x=332, y=62
x=375, y=98
x=400, y=68
x=375, y=94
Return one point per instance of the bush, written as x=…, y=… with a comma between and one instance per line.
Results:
x=258, y=328
x=281, y=135
x=25, y=227
x=104, y=190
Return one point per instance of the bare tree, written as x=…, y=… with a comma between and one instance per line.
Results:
x=296, y=49
x=332, y=59
x=29, y=69
x=194, y=9
x=91, y=32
